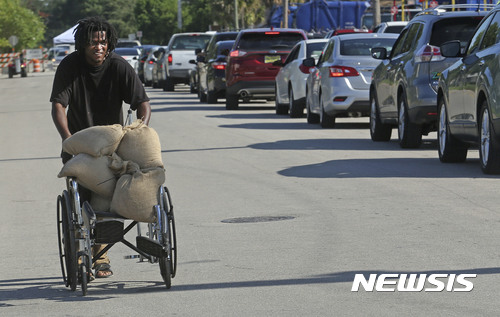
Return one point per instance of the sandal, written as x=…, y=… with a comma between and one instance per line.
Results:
x=104, y=269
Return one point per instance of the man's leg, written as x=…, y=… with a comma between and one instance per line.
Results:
x=101, y=265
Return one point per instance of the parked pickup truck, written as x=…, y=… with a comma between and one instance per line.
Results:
x=181, y=48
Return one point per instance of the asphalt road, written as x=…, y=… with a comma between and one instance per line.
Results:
x=346, y=206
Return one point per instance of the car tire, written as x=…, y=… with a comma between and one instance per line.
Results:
x=148, y=84
x=450, y=149
x=312, y=118
x=296, y=110
x=409, y=133
x=325, y=120
x=379, y=131
x=202, y=96
x=279, y=107
x=231, y=102
x=489, y=147
x=211, y=97
x=169, y=84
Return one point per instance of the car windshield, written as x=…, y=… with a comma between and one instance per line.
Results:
x=394, y=29
x=190, y=42
x=363, y=46
x=127, y=51
x=461, y=28
x=269, y=40
x=314, y=49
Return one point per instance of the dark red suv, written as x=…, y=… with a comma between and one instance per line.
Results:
x=250, y=73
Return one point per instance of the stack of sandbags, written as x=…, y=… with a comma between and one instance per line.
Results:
x=122, y=167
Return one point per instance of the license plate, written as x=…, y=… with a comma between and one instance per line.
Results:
x=271, y=58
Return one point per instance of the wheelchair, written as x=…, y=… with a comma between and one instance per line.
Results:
x=79, y=228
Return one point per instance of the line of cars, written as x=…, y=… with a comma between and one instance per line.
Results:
x=438, y=74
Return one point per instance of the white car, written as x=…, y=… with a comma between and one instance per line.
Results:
x=390, y=27
x=290, y=86
x=130, y=54
x=149, y=65
x=339, y=84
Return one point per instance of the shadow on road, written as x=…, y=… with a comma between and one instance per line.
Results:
x=387, y=168
x=50, y=289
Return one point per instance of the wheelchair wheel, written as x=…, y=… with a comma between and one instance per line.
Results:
x=172, y=240
x=67, y=246
x=165, y=270
x=84, y=274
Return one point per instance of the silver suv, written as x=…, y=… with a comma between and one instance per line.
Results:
x=403, y=90
x=468, y=104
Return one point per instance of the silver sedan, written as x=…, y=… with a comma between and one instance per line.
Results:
x=339, y=84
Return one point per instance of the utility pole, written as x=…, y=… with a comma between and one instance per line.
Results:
x=179, y=15
x=376, y=13
x=285, y=14
x=236, y=25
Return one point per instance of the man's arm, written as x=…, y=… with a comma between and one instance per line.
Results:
x=144, y=112
x=60, y=120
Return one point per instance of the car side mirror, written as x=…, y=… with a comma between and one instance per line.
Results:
x=309, y=62
x=192, y=61
x=451, y=49
x=379, y=53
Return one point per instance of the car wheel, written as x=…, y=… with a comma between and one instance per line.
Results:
x=192, y=88
x=326, y=121
x=489, y=147
x=148, y=83
x=231, y=102
x=202, y=96
x=279, y=107
x=211, y=97
x=378, y=130
x=450, y=150
x=409, y=134
x=169, y=84
x=295, y=108
x=311, y=117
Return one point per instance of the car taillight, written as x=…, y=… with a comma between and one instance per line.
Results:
x=237, y=53
x=219, y=66
x=428, y=53
x=304, y=69
x=343, y=71
x=169, y=59
x=150, y=62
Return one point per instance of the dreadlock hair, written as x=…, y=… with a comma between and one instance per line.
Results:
x=86, y=27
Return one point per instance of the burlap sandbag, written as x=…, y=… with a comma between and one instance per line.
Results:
x=136, y=194
x=141, y=145
x=95, y=141
x=99, y=203
x=92, y=173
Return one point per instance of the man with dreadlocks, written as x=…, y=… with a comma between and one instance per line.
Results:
x=92, y=83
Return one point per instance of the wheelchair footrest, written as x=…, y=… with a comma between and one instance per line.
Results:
x=150, y=246
x=108, y=231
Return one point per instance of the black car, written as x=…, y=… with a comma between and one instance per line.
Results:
x=208, y=53
x=214, y=85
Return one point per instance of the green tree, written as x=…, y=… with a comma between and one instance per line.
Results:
x=21, y=22
x=157, y=19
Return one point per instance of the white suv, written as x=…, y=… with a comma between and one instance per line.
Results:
x=181, y=48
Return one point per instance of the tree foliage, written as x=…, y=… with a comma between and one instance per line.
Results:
x=157, y=19
x=21, y=22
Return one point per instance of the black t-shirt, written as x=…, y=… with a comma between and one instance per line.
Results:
x=95, y=94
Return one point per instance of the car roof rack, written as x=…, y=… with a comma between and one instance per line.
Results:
x=458, y=7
